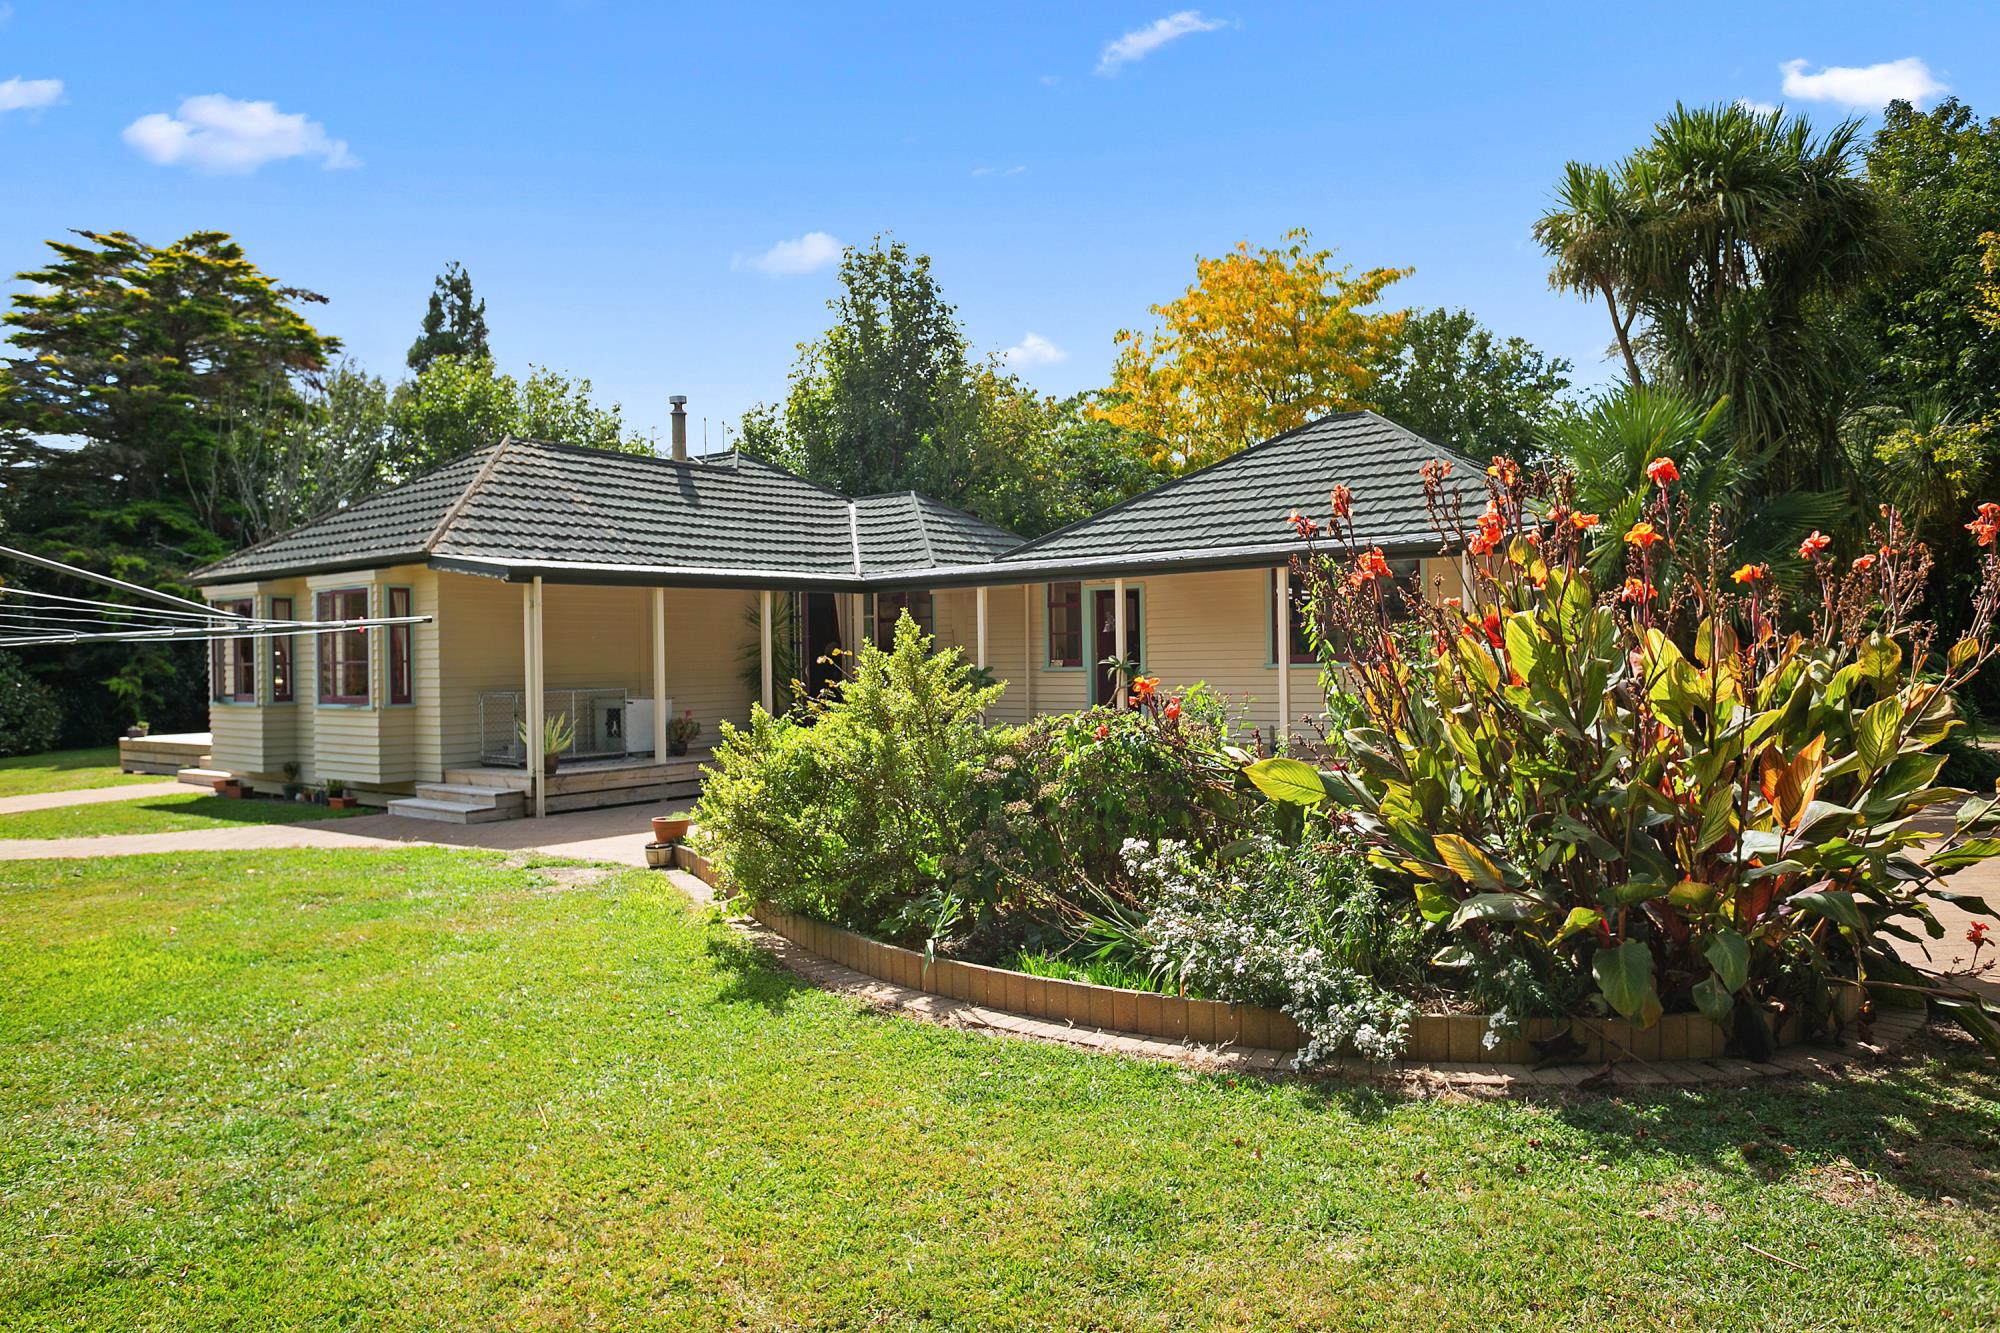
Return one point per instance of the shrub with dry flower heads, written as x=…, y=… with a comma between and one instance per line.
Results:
x=1659, y=802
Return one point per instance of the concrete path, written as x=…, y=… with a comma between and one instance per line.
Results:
x=618, y=834
x=134, y=791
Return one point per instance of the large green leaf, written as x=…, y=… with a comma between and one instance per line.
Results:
x=1879, y=657
x=1625, y=975
x=1580, y=918
x=1495, y=907
x=1875, y=735
x=1287, y=780
x=1714, y=999
x=1836, y=905
x=1970, y=852
x=1729, y=954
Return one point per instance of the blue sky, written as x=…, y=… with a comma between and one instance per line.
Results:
x=617, y=175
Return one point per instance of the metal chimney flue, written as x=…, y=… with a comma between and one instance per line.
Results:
x=680, y=402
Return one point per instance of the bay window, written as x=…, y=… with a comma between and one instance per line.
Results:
x=343, y=654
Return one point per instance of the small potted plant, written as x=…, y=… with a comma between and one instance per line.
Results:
x=681, y=732
x=558, y=734
x=230, y=788
x=670, y=829
x=659, y=855
x=294, y=789
x=138, y=730
x=337, y=795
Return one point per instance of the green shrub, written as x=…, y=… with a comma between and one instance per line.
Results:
x=851, y=810
x=30, y=717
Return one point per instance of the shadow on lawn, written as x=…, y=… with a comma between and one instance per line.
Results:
x=749, y=975
x=1903, y=1121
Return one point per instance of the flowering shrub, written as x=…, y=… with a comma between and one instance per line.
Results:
x=1656, y=801
x=1244, y=938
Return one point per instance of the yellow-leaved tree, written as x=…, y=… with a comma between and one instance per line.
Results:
x=1263, y=341
x=1988, y=309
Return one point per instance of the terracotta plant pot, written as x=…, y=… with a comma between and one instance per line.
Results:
x=342, y=802
x=659, y=855
x=670, y=828
x=549, y=764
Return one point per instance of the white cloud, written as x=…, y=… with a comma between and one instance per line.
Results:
x=1033, y=350
x=1761, y=108
x=1139, y=43
x=1864, y=86
x=217, y=133
x=815, y=249
x=998, y=171
x=29, y=94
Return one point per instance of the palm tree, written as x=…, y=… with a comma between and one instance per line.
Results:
x=1611, y=439
x=1722, y=248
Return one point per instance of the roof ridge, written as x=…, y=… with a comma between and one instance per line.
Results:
x=465, y=496
x=854, y=533
x=936, y=503
x=923, y=530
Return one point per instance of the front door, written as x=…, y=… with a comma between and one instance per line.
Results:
x=1104, y=640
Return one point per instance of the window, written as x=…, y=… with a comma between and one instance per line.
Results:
x=233, y=662
x=1066, y=624
x=1396, y=594
x=343, y=654
x=400, y=642
x=889, y=608
x=281, y=654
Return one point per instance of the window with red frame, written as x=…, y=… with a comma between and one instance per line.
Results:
x=400, y=643
x=281, y=654
x=889, y=608
x=1066, y=624
x=343, y=654
x=233, y=662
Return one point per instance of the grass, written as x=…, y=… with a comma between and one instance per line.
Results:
x=422, y=1088
x=66, y=770
x=158, y=814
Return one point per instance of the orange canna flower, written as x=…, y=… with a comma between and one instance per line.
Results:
x=1752, y=574
x=1864, y=563
x=1642, y=535
x=1983, y=528
x=1143, y=687
x=1172, y=710
x=1637, y=590
x=1815, y=543
x=1343, y=502
x=1663, y=472
x=1371, y=564
x=1583, y=522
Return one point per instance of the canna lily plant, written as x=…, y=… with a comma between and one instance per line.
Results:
x=1667, y=799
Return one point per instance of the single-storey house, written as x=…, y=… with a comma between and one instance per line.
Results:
x=626, y=593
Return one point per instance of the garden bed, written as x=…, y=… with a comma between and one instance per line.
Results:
x=1434, y=1038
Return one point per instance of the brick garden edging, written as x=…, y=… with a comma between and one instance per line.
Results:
x=1445, y=1050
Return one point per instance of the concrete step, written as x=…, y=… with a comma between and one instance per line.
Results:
x=448, y=812
x=202, y=777
x=465, y=793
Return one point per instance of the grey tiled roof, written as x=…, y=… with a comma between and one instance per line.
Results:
x=522, y=507
x=521, y=503
x=1238, y=507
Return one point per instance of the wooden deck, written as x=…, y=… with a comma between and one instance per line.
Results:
x=166, y=755
x=589, y=783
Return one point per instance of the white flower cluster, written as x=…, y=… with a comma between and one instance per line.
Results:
x=1249, y=947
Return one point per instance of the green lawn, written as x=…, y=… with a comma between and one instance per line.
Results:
x=435, y=1089
x=66, y=770
x=158, y=814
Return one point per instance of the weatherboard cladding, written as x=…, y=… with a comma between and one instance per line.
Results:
x=522, y=505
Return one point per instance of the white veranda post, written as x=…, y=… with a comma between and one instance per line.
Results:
x=979, y=605
x=1028, y=650
x=659, y=675
x=1118, y=643
x=534, y=723
x=1282, y=650
x=764, y=644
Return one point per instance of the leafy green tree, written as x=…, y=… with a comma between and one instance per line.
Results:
x=1725, y=249
x=1455, y=381
x=1938, y=174
x=1054, y=460
x=883, y=399
x=455, y=406
x=287, y=462
x=454, y=322
x=130, y=363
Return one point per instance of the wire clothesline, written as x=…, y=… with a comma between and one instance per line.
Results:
x=46, y=618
